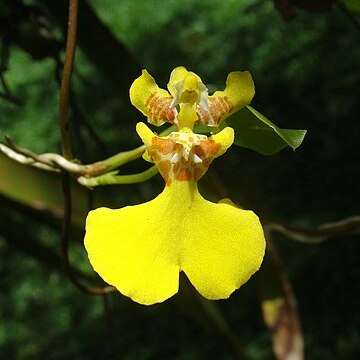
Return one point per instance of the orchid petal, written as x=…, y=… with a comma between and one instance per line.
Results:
x=152, y=101
x=178, y=74
x=238, y=93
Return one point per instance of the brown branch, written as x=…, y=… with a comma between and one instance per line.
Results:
x=67, y=150
x=56, y=162
x=109, y=56
x=65, y=242
x=13, y=233
x=348, y=226
x=29, y=154
x=78, y=116
x=66, y=78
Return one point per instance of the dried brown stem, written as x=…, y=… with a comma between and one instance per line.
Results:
x=29, y=154
x=280, y=308
x=348, y=226
x=67, y=150
x=55, y=162
x=66, y=78
x=65, y=242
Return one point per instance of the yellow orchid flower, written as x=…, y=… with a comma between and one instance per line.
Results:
x=142, y=249
x=186, y=88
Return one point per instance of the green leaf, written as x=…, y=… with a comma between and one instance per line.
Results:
x=254, y=131
x=352, y=5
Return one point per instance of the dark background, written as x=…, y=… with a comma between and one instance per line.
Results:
x=306, y=72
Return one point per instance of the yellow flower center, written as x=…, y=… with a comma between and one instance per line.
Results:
x=190, y=90
x=184, y=155
x=188, y=94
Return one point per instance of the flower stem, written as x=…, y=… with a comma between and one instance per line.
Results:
x=113, y=179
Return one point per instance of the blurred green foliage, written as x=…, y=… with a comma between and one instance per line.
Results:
x=306, y=76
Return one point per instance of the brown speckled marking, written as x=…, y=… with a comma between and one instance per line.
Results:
x=159, y=110
x=183, y=175
x=163, y=146
x=208, y=148
x=177, y=167
x=219, y=106
x=164, y=167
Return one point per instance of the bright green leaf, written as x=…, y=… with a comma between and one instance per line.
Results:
x=254, y=131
